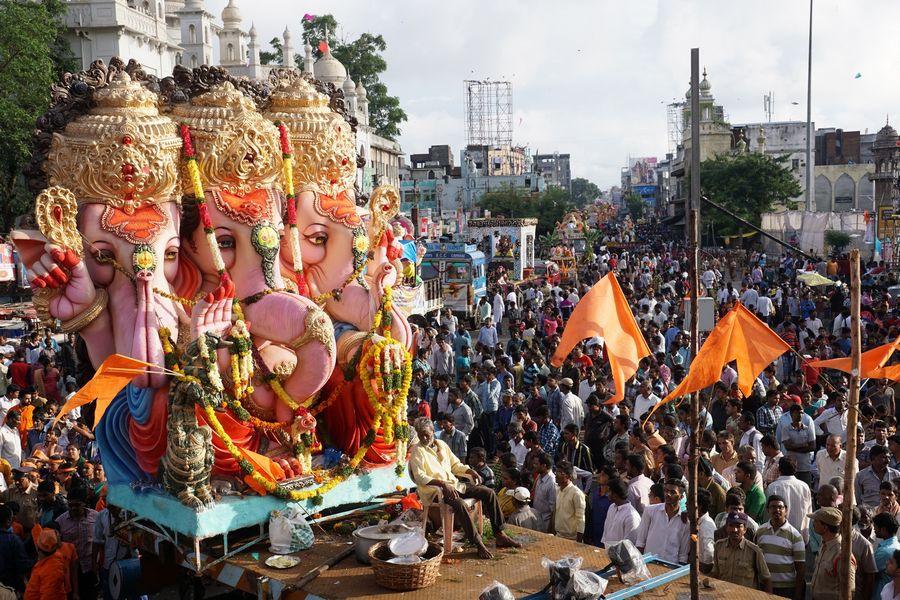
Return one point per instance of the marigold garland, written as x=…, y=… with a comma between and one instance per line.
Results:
x=291, y=208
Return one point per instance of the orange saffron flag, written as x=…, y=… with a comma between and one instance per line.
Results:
x=871, y=362
x=739, y=336
x=113, y=375
x=604, y=312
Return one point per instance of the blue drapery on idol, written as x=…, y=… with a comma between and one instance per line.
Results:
x=116, y=451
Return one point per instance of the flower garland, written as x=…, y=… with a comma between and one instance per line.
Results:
x=287, y=154
x=202, y=208
x=385, y=370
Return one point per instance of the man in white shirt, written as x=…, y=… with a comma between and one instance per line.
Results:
x=645, y=400
x=8, y=401
x=749, y=297
x=639, y=484
x=663, y=531
x=545, y=490
x=796, y=495
x=517, y=442
x=10, y=441
x=462, y=414
x=765, y=307
x=833, y=421
x=706, y=528
x=571, y=409
x=830, y=460
x=622, y=520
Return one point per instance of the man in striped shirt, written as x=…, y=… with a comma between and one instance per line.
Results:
x=784, y=551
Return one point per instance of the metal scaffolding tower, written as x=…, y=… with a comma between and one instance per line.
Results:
x=488, y=112
x=674, y=124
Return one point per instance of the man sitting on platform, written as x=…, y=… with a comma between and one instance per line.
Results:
x=433, y=467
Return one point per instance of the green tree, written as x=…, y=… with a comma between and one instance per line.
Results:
x=635, y=205
x=274, y=56
x=584, y=192
x=32, y=56
x=748, y=185
x=364, y=60
x=548, y=207
x=837, y=240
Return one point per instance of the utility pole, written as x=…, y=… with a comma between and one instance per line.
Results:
x=852, y=417
x=809, y=140
x=693, y=245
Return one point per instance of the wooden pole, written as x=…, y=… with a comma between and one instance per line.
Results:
x=693, y=246
x=852, y=418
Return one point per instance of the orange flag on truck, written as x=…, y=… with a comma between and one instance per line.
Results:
x=871, y=362
x=739, y=336
x=111, y=376
x=604, y=312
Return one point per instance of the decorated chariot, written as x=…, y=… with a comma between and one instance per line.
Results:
x=234, y=292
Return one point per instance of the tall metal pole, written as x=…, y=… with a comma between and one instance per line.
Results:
x=852, y=416
x=693, y=246
x=809, y=140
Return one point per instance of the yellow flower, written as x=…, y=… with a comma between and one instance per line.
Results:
x=361, y=243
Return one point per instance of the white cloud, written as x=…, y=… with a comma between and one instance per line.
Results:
x=592, y=77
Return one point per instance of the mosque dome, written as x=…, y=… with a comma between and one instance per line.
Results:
x=330, y=69
x=231, y=15
x=705, y=85
x=361, y=92
x=349, y=87
x=886, y=133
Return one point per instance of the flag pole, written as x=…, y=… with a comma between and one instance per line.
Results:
x=693, y=245
x=852, y=416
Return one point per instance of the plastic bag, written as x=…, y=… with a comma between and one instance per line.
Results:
x=288, y=531
x=629, y=561
x=496, y=591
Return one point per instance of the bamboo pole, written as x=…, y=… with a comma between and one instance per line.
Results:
x=693, y=245
x=852, y=418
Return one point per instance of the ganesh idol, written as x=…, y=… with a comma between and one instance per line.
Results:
x=103, y=252
x=348, y=260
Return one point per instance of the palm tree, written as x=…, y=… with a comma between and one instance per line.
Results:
x=547, y=241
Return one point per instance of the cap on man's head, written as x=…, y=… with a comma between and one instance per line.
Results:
x=47, y=540
x=521, y=494
x=566, y=382
x=828, y=515
x=737, y=518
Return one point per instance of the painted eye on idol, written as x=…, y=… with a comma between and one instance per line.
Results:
x=226, y=242
x=171, y=254
x=317, y=239
x=104, y=255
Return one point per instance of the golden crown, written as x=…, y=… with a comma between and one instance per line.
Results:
x=237, y=148
x=122, y=153
x=324, y=144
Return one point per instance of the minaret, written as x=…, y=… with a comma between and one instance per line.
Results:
x=287, y=50
x=362, y=101
x=350, y=95
x=307, y=59
x=254, y=47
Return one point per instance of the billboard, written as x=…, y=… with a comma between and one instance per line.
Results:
x=643, y=170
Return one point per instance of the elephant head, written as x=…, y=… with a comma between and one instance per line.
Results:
x=342, y=264
x=110, y=271
x=240, y=162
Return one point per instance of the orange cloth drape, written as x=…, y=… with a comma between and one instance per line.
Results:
x=604, y=312
x=739, y=336
x=113, y=375
x=871, y=362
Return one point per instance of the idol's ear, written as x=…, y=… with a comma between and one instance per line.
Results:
x=188, y=278
x=29, y=244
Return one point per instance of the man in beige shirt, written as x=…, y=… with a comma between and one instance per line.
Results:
x=826, y=580
x=568, y=515
x=738, y=560
x=436, y=470
x=728, y=456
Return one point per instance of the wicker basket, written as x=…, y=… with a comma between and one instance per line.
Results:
x=405, y=577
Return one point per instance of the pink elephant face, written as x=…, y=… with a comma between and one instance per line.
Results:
x=136, y=307
x=326, y=246
x=238, y=244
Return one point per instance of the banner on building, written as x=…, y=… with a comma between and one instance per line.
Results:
x=643, y=170
x=7, y=263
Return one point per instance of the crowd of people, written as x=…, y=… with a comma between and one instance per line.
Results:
x=539, y=446
x=56, y=537
x=554, y=457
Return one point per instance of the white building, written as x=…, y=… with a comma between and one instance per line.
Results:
x=782, y=138
x=160, y=34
